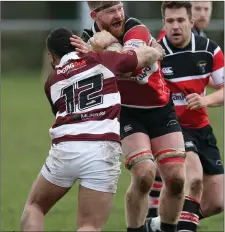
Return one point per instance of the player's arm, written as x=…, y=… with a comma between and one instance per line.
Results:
x=99, y=42
x=128, y=61
x=215, y=99
x=216, y=80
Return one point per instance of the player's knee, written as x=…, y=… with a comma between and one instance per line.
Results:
x=175, y=178
x=196, y=186
x=217, y=206
x=144, y=176
x=176, y=186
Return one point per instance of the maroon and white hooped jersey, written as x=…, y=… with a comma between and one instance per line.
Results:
x=147, y=89
x=188, y=71
x=84, y=95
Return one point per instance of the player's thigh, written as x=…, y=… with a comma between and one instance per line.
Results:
x=133, y=132
x=93, y=207
x=44, y=194
x=100, y=166
x=169, y=152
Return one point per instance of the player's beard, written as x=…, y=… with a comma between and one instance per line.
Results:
x=117, y=32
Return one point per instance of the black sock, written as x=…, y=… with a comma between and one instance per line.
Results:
x=154, y=197
x=200, y=215
x=139, y=229
x=168, y=227
x=189, y=218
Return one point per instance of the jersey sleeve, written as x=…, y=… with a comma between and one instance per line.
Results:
x=118, y=62
x=137, y=36
x=162, y=33
x=218, y=64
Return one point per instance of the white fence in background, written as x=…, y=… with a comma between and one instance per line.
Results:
x=78, y=25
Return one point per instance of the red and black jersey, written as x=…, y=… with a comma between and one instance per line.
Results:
x=84, y=95
x=147, y=88
x=187, y=71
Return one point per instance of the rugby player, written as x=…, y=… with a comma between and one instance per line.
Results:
x=149, y=126
x=201, y=12
x=189, y=62
x=83, y=94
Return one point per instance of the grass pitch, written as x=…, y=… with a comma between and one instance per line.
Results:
x=26, y=118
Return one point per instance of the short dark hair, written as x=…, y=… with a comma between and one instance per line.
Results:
x=176, y=5
x=58, y=42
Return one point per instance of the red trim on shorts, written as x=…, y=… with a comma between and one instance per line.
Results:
x=133, y=156
x=192, y=199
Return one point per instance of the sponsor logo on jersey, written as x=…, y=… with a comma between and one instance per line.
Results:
x=146, y=73
x=92, y=115
x=76, y=65
x=65, y=69
x=179, y=99
x=167, y=71
x=178, y=96
x=134, y=44
x=201, y=65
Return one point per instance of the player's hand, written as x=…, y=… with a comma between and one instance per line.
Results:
x=159, y=48
x=102, y=40
x=80, y=45
x=195, y=101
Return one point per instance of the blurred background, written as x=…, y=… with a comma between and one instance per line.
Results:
x=26, y=115
x=25, y=25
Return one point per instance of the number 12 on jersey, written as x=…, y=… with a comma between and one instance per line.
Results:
x=83, y=90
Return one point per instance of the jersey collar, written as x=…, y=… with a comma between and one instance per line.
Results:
x=171, y=49
x=69, y=56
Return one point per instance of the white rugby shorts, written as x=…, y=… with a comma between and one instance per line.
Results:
x=95, y=163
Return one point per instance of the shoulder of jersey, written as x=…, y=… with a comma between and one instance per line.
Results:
x=87, y=34
x=201, y=44
x=204, y=44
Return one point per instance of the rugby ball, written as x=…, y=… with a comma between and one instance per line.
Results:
x=115, y=47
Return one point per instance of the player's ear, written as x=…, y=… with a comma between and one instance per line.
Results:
x=192, y=21
x=163, y=21
x=93, y=15
x=50, y=55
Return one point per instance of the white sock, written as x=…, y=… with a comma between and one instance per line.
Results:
x=155, y=223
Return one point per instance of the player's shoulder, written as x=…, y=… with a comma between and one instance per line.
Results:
x=200, y=42
x=205, y=44
x=131, y=22
x=87, y=34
